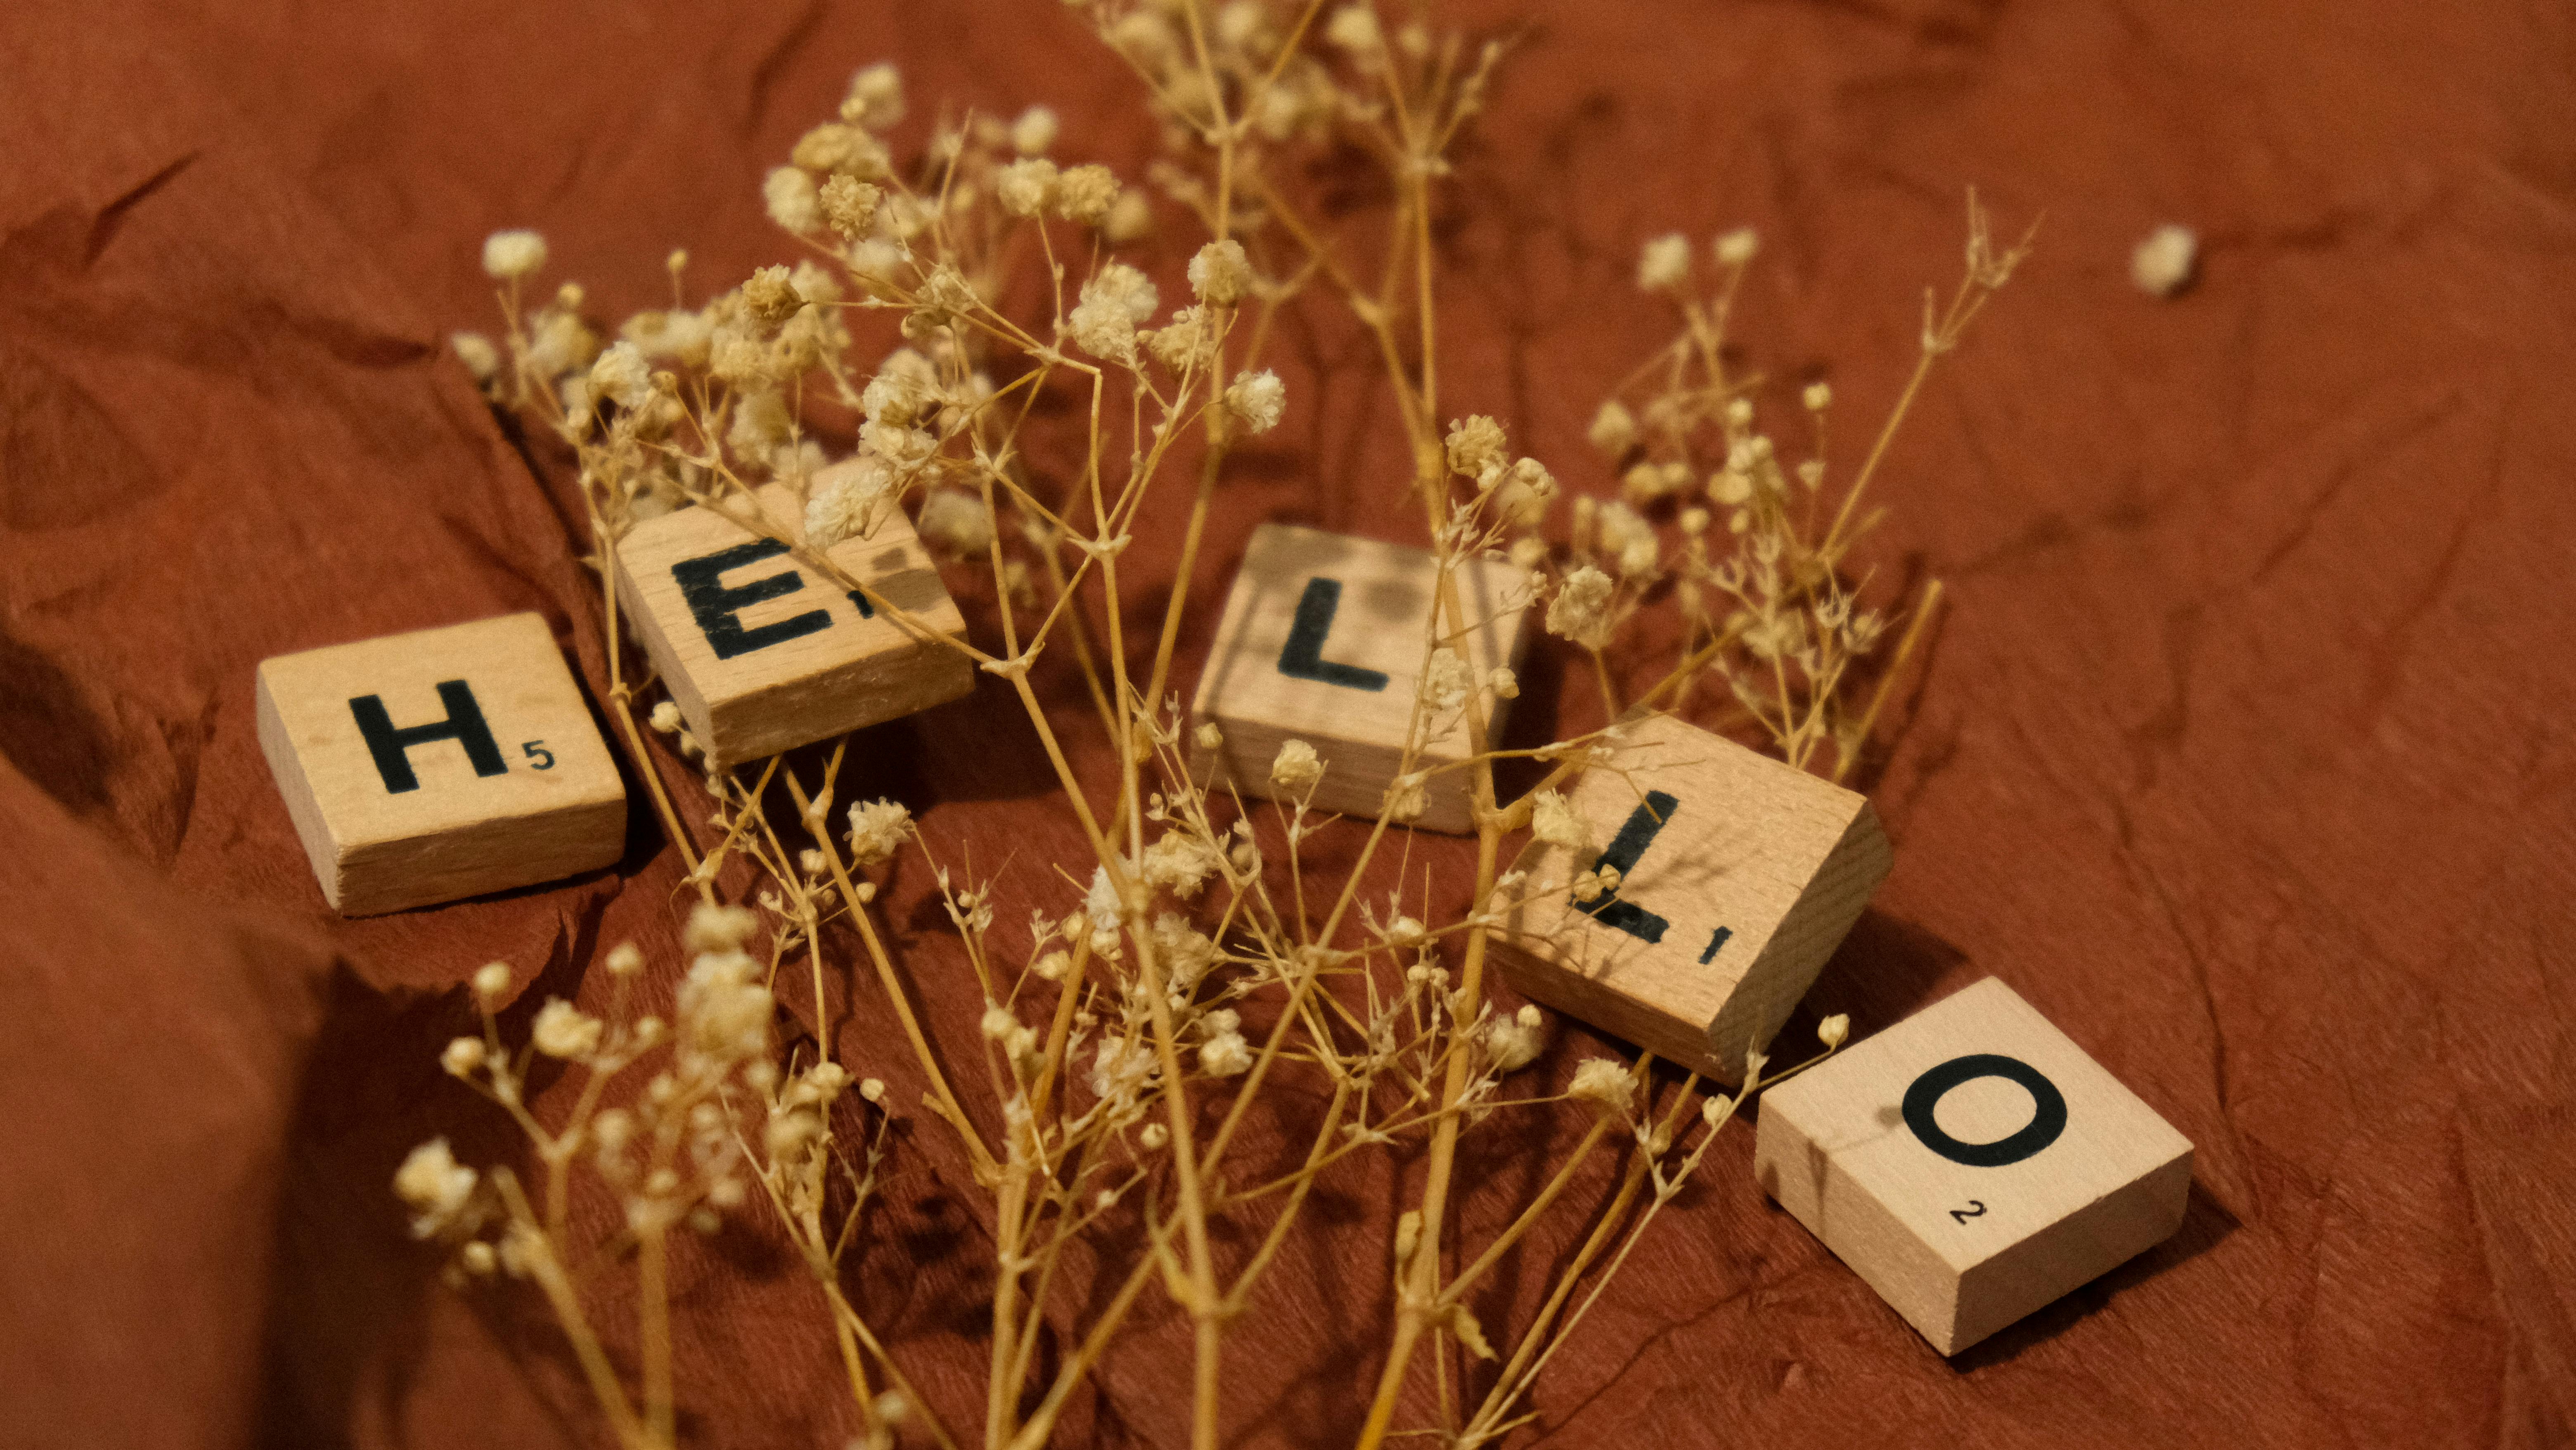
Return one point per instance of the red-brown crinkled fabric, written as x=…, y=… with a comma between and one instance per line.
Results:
x=2240, y=753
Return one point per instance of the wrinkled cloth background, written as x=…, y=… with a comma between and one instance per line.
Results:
x=2240, y=753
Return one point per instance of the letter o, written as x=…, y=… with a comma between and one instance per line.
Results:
x=2046, y=1123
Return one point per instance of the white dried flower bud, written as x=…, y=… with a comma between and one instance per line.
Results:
x=434, y=1185
x=1146, y=36
x=873, y=1089
x=769, y=295
x=2163, y=263
x=1580, y=612
x=1127, y=287
x=1515, y=1042
x=1034, y=133
x=1221, y=274
x=622, y=375
x=1505, y=684
x=956, y=521
x=878, y=261
x=1475, y=444
x=1225, y=1055
x=1130, y=218
x=1528, y=476
x=1446, y=682
x=838, y=149
x=792, y=202
x=1209, y=737
x=563, y=1030
x=1086, y=193
x=876, y=97
x=508, y=256
x=1818, y=397
x=1025, y=187
x=463, y=1055
x=851, y=504
x=1614, y=429
x=476, y=351
x=624, y=960
x=1663, y=265
x=998, y=1022
x=1101, y=903
x=789, y=1134
x=1737, y=247
x=761, y=423
x=1604, y=1082
x=1406, y=796
x=815, y=284
x=1113, y=302
x=1552, y=820
x=666, y=717
x=1053, y=966
x=559, y=343
x=1296, y=769
x=1258, y=400
x=1154, y=1136
x=1833, y=1030
x=714, y=928
x=1354, y=28
x=491, y=981
x=877, y=830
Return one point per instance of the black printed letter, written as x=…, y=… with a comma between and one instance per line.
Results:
x=716, y=607
x=1304, y=656
x=1631, y=843
x=391, y=747
x=2047, y=1119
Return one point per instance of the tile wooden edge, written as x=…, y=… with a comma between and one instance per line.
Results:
x=1805, y=940
x=760, y=724
x=1897, y=1265
x=312, y=828
x=506, y=853
x=2120, y=1225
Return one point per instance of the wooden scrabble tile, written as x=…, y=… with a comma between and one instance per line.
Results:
x=1322, y=641
x=1739, y=875
x=442, y=764
x=762, y=658
x=1971, y=1164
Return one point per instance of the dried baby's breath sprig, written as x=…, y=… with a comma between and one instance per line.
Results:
x=930, y=298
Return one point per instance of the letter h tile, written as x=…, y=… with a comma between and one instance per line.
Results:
x=425, y=767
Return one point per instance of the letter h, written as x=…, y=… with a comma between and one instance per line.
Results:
x=392, y=747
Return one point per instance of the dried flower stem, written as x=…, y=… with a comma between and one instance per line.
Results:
x=1145, y=972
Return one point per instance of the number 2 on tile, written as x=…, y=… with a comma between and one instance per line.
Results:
x=1976, y=1209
